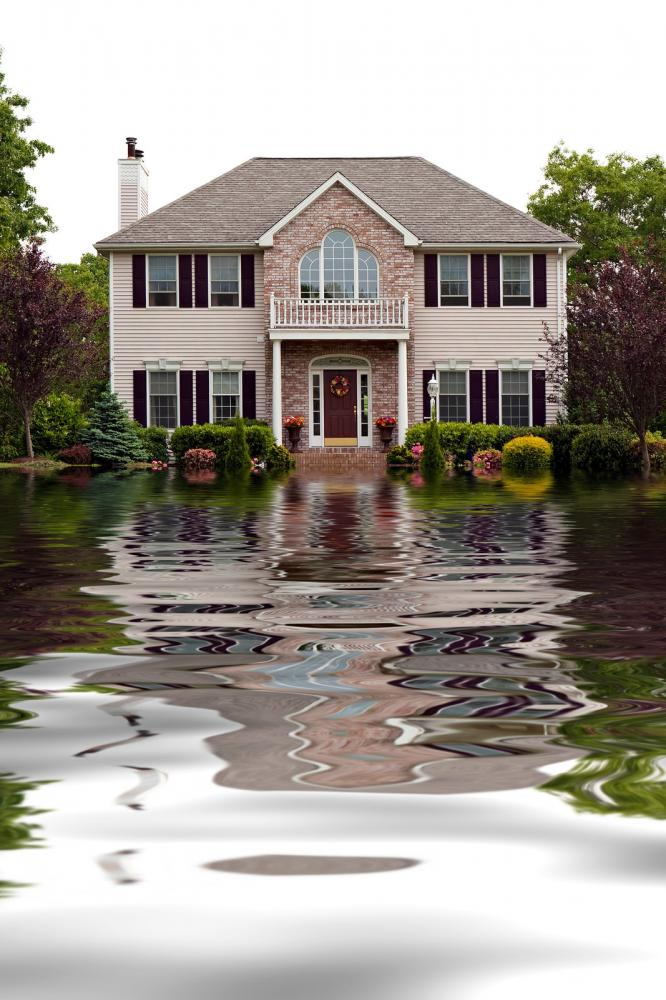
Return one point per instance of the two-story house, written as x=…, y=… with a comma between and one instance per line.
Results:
x=332, y=288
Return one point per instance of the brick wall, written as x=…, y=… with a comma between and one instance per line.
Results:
x=337, y=208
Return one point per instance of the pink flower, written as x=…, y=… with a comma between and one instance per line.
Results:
x=417, y=450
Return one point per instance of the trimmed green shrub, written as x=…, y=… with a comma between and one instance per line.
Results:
x=216, y=437
x=110, y=434
x=155, y=441
x=562, y=437
x=237, y=457
x=57, y=422
x=527, y=454
x=399, y=454
x=279, y=459
x=602, y=451
x=432, y=460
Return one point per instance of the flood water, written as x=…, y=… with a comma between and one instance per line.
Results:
x=331, y=737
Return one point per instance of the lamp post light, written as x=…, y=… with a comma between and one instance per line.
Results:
x=432, y=392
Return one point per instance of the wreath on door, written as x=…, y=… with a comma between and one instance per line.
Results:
x=339, y=385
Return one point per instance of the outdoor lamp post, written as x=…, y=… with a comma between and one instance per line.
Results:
x=432, y=392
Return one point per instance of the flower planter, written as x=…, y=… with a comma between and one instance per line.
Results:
x=294, y=434
x=386, y=436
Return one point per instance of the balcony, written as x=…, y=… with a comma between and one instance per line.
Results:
x=335, y=314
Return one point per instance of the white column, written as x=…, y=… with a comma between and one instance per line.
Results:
x=277, y=390
x=402, y=390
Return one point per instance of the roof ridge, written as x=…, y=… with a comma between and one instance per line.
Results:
x=498, y=201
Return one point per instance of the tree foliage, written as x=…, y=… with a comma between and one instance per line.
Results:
x=604, y=206
x=90, y=277
x=110, y=434
x=615, y=352
x=45, y=331
x=21, y=218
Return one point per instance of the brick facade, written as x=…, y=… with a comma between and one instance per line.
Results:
x=337, y=208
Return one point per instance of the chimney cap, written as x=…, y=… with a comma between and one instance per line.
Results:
x=130, y=138
x=138, y=154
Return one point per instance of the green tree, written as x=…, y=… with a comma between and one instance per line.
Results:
x=237, y=458
x=21, y=218
x=604, y=206
x=111, y=435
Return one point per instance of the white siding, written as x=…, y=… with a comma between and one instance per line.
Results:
x=482, y=336
x=190, y=336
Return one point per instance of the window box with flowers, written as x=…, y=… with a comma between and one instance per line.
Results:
x=294, y=424
x=386, y=424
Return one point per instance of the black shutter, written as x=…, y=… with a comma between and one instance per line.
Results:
x=186, y=399
x=476, y=397
x=139, y=396
x=430, y=278
x=139, y=280
x=538, y=397
x=203, y=393
x=247, y=280
x=539, y=279
x=185, y=280
x=250, y=394
x=492, y=396
x=427, y=375
x=493, y=281
x=477, y=279
x=201, y=280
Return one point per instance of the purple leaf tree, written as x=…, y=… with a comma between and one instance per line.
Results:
x=46, y=331
x=615, y=349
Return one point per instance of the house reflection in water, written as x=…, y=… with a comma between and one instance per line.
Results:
x=352, y=640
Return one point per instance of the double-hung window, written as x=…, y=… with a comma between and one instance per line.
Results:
x=453, y=404
x=162, y=280
x=454, y=279
x=226, y=395
x=515, y=398
x=163, y=393
x=225, y=280
x=516, y=280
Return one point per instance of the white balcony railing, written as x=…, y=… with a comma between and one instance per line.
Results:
x=320, y=313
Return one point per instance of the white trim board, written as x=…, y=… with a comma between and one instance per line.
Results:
x=266, y=239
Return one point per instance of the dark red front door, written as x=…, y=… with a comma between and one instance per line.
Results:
x=340, y=407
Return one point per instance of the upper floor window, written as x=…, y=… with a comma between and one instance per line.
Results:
x=163, y=280
x=454, y=279
x=347, y=273
x=225, y=280
x=516, y=280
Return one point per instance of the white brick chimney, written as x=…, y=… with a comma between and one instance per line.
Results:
x=132, y=186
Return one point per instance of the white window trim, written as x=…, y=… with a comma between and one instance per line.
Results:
x=362, y=367
x=163, y=366
x=451, y=366
x=224, y=367
x=501, y=257
x=320, y=297
x=469, y=280
x=210, y=280
x=516, y=364
x=148, y=256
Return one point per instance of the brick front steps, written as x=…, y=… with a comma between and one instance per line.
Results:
x=340, y=459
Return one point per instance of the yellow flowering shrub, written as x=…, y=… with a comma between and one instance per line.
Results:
x=527, y=454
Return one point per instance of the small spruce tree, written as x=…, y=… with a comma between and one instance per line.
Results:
x=110, y=434
x=237, y=456
x=432, y=461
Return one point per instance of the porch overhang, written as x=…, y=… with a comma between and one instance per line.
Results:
x=338, y=333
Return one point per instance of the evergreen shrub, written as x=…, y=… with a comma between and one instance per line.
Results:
x=155, y=441
x=110, y=434
x=237, y=457
x=602, y=451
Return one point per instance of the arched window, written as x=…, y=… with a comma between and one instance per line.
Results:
x=310, y=275
x=347, y=273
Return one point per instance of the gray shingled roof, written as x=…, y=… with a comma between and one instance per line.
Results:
x=239, y=206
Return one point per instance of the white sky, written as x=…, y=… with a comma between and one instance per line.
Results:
x=481, y=87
